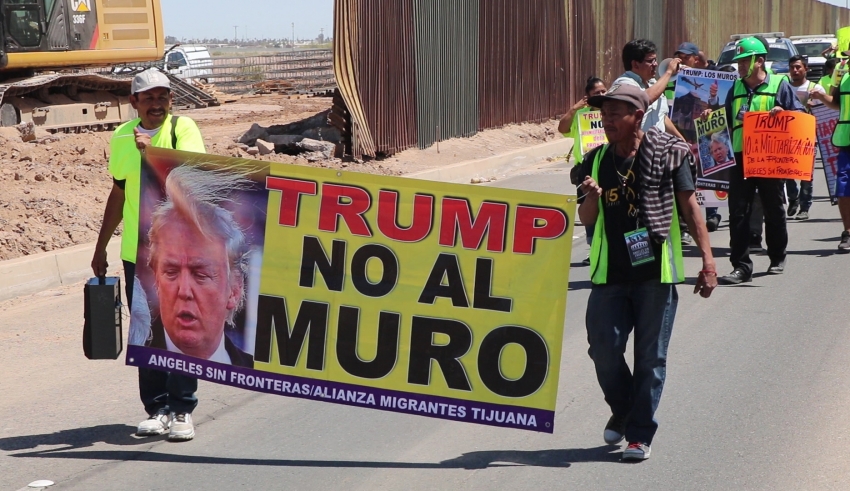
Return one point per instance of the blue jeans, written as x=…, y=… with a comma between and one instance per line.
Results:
x=613, y=312
x=159, y=389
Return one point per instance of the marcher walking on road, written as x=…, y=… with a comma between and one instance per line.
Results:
x=568, y=126
x=840, y=99
x=633, y=188
x=800, y=199
x=640, y=59
x=169, y=398
x=755, y=91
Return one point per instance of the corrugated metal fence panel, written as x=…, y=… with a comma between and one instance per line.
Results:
x=386, y=72
x=346, y=62
x=446, y=54
x=646, y=15
x=601, y=28
x=524, y=61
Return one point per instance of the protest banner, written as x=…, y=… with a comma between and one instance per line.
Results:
x=405, y=295
x=712, y=199
x=826, y=120
x=698, y=91
x=780, y=146
x=590, y=130
x=715, y=145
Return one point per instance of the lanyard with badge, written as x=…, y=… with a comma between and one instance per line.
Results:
x=637, y=241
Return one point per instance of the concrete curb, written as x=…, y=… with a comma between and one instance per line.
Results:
x=462, y=172
x=39, y=272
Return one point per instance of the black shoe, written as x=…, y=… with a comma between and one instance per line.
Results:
x=793, y=206
x=586, y=261
x=776, y=267
x=615, y=430
x=755, y=243
x=844, y=245
x=736, y=277
x=712, y=223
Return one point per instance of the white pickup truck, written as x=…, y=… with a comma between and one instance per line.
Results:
x=813, y=46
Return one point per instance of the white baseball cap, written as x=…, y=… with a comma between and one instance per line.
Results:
x=150, y=79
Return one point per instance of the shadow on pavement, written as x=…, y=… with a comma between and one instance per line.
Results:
x=122, y=435
x=562, y=458
x=580, y=285
x=116, y=434
x=816, y=252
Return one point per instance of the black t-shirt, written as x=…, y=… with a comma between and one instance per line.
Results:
x=621, y=212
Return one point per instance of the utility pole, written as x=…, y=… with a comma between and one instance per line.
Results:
x=235, y=34
x=293, y=35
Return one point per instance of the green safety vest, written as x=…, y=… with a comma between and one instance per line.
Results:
x=672, y=261
x=763, y=99
x=841, y=135
x=670, y=91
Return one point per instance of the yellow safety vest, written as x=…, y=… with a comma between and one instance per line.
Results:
x=841, y=135
x=672, y=261
x=762, y=99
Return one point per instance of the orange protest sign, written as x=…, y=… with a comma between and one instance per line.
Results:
x=781, y=146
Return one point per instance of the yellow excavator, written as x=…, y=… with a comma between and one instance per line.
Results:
x=51, y=53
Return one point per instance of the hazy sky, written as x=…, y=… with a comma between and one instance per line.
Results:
x=263, y=18
x=840, y=3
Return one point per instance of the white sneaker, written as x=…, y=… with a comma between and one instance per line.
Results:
x=636, y=451
x=182, y=429
x=156, y=424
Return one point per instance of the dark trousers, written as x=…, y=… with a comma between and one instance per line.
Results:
x=159, y=389
x=772, y=194
x=803, y=193
x=613, y=312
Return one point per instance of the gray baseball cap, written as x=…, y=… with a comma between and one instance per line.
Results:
x=629, y=94
x=149, y=79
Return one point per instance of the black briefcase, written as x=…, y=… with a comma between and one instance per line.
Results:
x=102, y=336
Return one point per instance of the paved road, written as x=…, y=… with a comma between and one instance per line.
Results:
x=757, y=399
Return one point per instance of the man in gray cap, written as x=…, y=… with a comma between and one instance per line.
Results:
x=633, y=188
x=169, y=398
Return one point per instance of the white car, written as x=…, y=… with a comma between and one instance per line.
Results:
x=813, y=47
x=189, y=62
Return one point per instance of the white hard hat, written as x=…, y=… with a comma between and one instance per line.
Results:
x=150, y=79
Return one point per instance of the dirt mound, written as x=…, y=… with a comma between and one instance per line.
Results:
x=53, y=189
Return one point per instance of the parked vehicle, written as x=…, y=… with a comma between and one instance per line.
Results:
x=189, y=61
x=814, y=47
x=780, y=49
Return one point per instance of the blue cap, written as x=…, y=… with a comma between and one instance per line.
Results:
x=688, y=49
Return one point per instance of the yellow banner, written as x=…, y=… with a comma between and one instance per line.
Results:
x=397, y=294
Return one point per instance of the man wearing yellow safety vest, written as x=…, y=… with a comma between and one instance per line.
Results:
x=839, y=99
x=634, y=190
x=755, y=91
x=169, y=397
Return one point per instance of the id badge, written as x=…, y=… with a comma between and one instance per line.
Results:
x=640, y=250
x=742, y=111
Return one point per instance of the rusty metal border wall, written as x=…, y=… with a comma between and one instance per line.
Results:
x=524, y=64
x=405, y=67
x=599, y=28
x=387, y=73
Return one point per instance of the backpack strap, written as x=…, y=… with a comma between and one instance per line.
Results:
x=174, y=132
